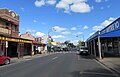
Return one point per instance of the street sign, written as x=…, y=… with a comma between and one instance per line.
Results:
x=6, y=44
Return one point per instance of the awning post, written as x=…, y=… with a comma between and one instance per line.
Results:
x=99, y=47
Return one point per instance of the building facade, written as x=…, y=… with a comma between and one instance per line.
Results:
x=10, y=43
x=106, y=42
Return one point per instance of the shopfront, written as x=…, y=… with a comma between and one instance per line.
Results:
x=107, y=41
x=15, y=47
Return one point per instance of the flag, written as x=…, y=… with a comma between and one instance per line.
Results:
x=49, y=36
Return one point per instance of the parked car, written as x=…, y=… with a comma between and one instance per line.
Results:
x=83, y=51
x=4, y=60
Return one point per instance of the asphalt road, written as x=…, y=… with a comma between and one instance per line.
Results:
x=57, y=65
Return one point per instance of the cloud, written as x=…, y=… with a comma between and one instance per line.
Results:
x=66, y=32
x=77, y=6
x=102, y=8
x=73, y=28
x=23, y=9
x=75, y=42
x=85, y=27
x=39, y=34
x=108, y=6
x=96, y=28
x=63, y=5
x=78, y=33
x=92, y=33
x=80, y=8
x=39, y=3
x=28, y=30
x=58, y=29
x=51, y=2
x=58, y=36
x=34, y=21
x=104, y=24
x=99, y=1
x=23, y=29
x=43, y=23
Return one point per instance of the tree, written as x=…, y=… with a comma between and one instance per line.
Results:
x=79, y=42
x=67, y=42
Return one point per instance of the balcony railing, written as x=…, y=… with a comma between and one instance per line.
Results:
x=5, y=31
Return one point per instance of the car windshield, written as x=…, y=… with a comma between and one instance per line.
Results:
x=84, y=48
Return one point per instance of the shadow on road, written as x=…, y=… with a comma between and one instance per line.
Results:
x=85, y=56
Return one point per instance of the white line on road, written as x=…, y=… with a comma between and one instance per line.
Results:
x=96, y=73
x=54, y=58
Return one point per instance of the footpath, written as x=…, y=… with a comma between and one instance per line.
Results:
x=112, y=63
x=25, y=58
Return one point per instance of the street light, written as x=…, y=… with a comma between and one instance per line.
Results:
x=82, y=37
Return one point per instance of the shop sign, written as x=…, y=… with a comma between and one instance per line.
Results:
x=2, y=38
x=6, y=44
x=15, y=40
x=112, y=27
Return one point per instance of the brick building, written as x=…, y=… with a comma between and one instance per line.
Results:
x=10, y=43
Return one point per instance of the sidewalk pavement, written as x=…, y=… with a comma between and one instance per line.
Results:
x=111, y=62
x=28, y=57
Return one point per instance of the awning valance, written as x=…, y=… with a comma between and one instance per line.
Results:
x=111, y=34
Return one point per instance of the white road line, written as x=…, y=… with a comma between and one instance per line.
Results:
x=54, y=58
x=96, y=73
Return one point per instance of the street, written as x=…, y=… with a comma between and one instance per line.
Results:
x=57, y=65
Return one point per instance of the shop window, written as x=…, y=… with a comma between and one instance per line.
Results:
x=14, y=28
x=110, y=45
x=7, y=24
x=115, y=45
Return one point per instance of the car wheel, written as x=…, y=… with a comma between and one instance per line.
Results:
x=6, y=61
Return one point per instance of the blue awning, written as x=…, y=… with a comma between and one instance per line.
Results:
x=111, y=34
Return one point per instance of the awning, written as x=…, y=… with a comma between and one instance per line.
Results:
x=111, y=34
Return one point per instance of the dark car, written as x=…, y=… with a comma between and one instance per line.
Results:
x=83, y=51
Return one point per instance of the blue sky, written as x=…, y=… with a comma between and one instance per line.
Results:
x=68, y=18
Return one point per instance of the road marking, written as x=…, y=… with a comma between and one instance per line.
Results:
x=54, y=58
x=96, y=73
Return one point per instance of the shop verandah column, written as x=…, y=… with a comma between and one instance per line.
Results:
x=99, y=47
x=94, y=48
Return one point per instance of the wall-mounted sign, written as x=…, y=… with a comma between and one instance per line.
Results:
x=6, y=44
x=15, y=40
x=114, y=26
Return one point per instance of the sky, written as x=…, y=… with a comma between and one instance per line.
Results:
x=63, y=19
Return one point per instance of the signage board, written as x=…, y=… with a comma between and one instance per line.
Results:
x=112, y=27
